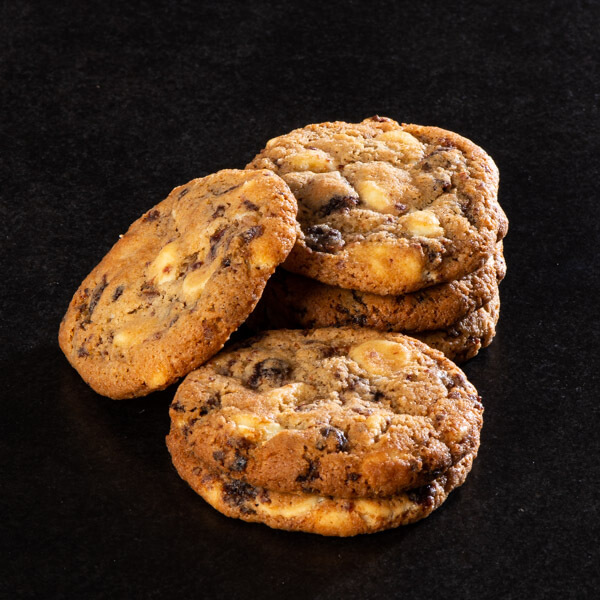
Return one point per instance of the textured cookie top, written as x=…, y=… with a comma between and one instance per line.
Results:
x=297, y=301
x=185, y=275
x=387, y=208
x=341, y=412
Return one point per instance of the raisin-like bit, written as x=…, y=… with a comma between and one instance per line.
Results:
x=239, y=463
x=151, y=216
x=213, y=402
x=236, y=492
x=149, y=290
x=379, y=119
x=323, y=238
x=215, y=238
x=250, y=234
x=338, y=204
x=312, y=472
x=250, y=205
x=423, y=495
x=272, y=371
x=96, y=296
x=177, y=407
x=219, y=211
x=341, y=441
x=117, y=293
x=82, y=352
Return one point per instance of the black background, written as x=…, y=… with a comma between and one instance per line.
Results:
x=106, y=106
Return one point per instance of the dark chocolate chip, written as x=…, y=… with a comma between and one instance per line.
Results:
x=183, y=192
x=311, y=473
x=271, y=371
x=82, y=352
x=177, y=407
x=253, y=232
x=239, y=463
x=423, y=495
x=226, y=262
x=117, y=293
x=236, y=492
x=341, y=441
x=219, y=456
x=151, y=216
x=323, y=238
x=213, y=402
x=250, y=205
x=219, y=211
x=354, y=476
x=215, y=238
x=338, y=204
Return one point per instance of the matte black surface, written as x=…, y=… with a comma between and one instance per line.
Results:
x=106, y=106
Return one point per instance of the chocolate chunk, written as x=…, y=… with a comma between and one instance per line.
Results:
x=341, y=441
x=219, y=211
x=338, y=204
x=226, y=262
x=95, y=297
x=249, y=205
x=312, y=472
x=215, y=238
x=177, y=407
x=236, y=492
x=354, y=476
x=117, y=293
x=271, y=371
x=82, y=352
x=239, y=463
x=213, y=402
x=219, y=456
x=323, y=238
x=151, y=216
x=253, y=232
x=423, y=495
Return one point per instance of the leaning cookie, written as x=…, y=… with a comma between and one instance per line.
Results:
x=387, y=208
x=347, y=413
x=292, y=300
x=468, y=336
x=312, y=513
x=169, y=293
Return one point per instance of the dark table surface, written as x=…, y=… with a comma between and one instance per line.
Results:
x=106, y=106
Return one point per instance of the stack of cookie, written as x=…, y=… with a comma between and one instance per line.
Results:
x=332, y=429
x=401, y=231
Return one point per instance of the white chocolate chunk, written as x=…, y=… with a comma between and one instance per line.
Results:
x=299, y=505
x=408, y=144
x=255, y=428
x=195, y=282
x=164, y=266
x=310, y=160
x=380, y=357
x=423, y=223
x=373, y=196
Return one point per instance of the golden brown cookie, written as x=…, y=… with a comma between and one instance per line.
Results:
x=466, y=337
x=292, y=300
x=185, y=275
x=387, y=208
x=312, y=513
x=348, y=413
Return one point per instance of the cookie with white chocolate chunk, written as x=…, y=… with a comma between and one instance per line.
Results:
x=335, y=431
x=186, y=274
x=387, y=208
x=291, y=300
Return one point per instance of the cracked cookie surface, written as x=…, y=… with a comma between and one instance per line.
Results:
x=337, y=412
x=186, y=274
x=387, y=208
x=292, y=300
x=312, y=513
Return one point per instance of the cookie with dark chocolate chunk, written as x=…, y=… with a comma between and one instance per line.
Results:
x=356, y=416
x=292, y=300
x=186, y=274
x=387, y=208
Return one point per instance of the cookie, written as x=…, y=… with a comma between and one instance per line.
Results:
x=312, y=513
x=347, y=413
x=185, y=275
x=292, y=300
x=387, y=208
x=466, y=337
